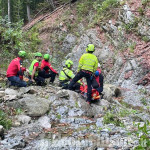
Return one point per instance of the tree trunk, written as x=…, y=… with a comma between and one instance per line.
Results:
x=28, y=12
x=9, y=14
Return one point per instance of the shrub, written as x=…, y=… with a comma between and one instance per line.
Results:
x=143, y=133
x=4, y=121
x=112, y=118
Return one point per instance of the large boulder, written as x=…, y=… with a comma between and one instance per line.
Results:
x=111, y=91
x=33, y=106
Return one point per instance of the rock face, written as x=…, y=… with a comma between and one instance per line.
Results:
x=89, y=37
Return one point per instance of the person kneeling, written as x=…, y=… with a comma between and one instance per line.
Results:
x=46, y=69
x=34, y=69
x=15, y=71
x=66, y=75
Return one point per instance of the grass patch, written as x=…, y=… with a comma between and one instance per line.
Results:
x=4, y=121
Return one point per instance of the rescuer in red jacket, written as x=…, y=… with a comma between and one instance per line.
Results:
x=47, y=70
x=15, y=71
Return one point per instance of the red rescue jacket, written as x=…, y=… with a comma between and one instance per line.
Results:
x=46, y=63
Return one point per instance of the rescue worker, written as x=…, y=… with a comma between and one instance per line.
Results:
x=15, y=71
x=87, y=66
x=99, y=78
x=66, y=75
x=47, y=70
x=35, y=68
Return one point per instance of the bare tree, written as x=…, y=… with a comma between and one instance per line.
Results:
x=28, y=11
x=9, y=14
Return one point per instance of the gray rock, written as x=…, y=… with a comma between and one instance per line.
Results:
x=9, y=91
x=23, y=119
x=14, y=143
x=44, y=122
x=2, y=93
x=99, y=122
x=75, y=112
x=68, y=43
x=111, y=91
x=30, y=90
x=127, y=14
x=10, y=97
x=33, y=106
x=62, y=110
x=62, y=94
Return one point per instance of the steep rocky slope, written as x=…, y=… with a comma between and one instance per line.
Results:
x=52, y=118
x=120, y=35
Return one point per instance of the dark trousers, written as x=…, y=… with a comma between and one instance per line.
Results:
x=76, y=86
x=49, y=74
x=16, y=81
x=100, y=89
x=39, y=80
x=80, y=75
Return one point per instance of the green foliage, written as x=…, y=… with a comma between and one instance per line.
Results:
x=132, y=26
x=132, y=47
x=143, y=133
x=4, y=121
x=58, y=116
x=143, y=91
x=18, y=111
x=105, y=5
x=112, y=118
x=13, y=39
x=84, y=7
x=143, y=101
x=145, y=2
x=145, y=39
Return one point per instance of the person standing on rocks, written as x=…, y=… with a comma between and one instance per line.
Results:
x=66, y=75
x=47, y=70
x=15, y=71
x=34, y=69
x=88, y=64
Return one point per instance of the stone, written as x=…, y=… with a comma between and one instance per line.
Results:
x=24, y=119
x=44, y=122
x=30, y=90
x=33, y=106
x=9, y=91
x=111, y=91
x=127, y=14
x=62, y=110
x=62, y=94
x=99, y=122
x=10, y=97
x=75, y=112
x=2, y=93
